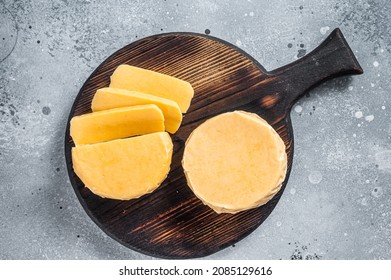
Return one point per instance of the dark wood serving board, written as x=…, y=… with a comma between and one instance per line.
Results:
x=171, y=222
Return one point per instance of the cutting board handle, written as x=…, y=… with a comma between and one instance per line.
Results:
x=332, y=58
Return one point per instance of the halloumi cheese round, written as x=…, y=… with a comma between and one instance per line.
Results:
x=234, y=161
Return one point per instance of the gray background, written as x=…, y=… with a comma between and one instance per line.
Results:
x=337, y=204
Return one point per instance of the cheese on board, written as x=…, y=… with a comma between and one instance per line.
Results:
x=109, y=98
x=124, y=169
x=116, y=123
x=154, y=83
x=234, y=162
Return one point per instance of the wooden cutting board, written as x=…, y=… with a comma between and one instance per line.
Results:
x=171, y=222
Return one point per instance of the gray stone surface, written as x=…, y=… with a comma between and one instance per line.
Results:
x=337, y=202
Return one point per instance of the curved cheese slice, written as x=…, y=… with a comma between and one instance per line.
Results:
x=116, y=123
x=151, y=82
x=125, y=168
x=234, y=162
x=109, y=98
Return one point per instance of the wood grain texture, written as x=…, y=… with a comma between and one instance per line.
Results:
x=171, y=222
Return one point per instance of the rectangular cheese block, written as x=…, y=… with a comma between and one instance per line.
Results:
x=116, y=123
x=109, y=98
x=151, y=82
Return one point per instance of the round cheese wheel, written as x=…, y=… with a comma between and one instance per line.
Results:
x=234, y=162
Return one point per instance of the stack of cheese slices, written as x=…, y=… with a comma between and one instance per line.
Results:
x=233, y=162
x=121, y=149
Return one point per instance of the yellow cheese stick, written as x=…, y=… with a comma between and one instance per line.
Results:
x=124, y=168
x=151, y=82
x=116, y=123
x=109, y=98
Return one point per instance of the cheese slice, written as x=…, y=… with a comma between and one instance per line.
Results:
x=116, y=123
x=234, y=162
x=125, y=168
x=151, y=82
x=109, y=98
